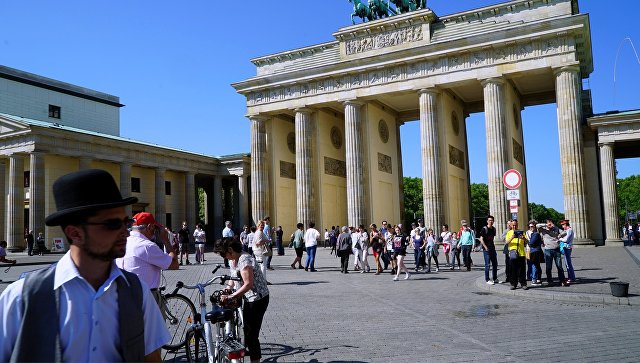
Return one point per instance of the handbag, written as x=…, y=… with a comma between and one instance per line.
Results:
x=513, y=255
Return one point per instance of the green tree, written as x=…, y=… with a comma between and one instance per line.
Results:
x=413, y=203
x=540, y=213
x=480, y=200
x=201, y=205
x=628, y=191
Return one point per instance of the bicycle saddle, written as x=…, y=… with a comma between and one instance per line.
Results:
x=219, y=314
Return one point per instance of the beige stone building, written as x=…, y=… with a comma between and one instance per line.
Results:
x=325, y=119
x=49, y=128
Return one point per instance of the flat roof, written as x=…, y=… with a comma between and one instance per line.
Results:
x=58, y=86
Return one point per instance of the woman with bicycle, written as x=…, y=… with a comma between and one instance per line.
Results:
x=252, y=288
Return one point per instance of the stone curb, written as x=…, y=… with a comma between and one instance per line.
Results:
x=503, y=289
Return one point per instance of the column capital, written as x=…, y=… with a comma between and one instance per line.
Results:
x=573, y=68
x=304, y=109
x=605, y=143
x=430, y=90
x=495, y=80
x=258, y=118
x=353, y=102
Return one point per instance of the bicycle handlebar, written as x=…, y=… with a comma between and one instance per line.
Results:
x=199, y=286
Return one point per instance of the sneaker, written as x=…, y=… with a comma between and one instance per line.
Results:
x=525, y=287
x=566, y=283
x=457, y=268
x=436, y=269
x=188, y=263
x=535, y=284
x=451, y=268
x=395, y=278
x=498, y=281
x=539, y=282
x=180, y=263
x=512, y=288
x=489, y=282
x=407, y=276
x=202, y=262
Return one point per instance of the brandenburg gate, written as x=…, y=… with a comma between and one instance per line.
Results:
x=325, y=119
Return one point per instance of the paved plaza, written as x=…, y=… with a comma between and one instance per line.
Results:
x=449, y=316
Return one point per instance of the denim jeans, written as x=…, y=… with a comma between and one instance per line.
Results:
x=417, y=255
x=311, y=257
x=490, y=257
x=553, y=256
x=567, y=260
x=466, y=255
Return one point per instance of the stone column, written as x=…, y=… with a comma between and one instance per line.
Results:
x=243, y=201
x=353, y=124
x=160, y=201
x=125, y=185
x=569, y=108
x=494, y=111
x=259, y=169
x=36, y=193
x=15, y=204
x=609, y=196
x=3, y=199
x=84, y=162
x=430, y=151
x=217, y=206
x=190, y=204
x=305, y=170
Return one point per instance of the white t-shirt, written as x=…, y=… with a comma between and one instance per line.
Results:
x=311, y=237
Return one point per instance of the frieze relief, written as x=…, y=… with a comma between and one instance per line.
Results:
x=456, y=157
x=518, y=152
x=335, y=167
x=384, y=163
x=429, y=67
x=287, y=170
x=384, y=40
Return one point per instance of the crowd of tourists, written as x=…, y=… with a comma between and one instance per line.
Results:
x=524, y=250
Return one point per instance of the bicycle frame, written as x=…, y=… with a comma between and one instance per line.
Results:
x=231, y=348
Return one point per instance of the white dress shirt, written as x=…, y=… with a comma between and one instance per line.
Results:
x=89, y=320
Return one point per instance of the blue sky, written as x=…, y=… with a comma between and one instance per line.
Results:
x=172, y=63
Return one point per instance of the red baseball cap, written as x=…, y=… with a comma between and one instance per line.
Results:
x=145, y=218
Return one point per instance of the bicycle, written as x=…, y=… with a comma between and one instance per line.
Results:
x=179, y=314
x=227, y=345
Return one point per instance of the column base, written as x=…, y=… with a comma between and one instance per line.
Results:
x=614, y=242
x=584, y=242
x=16, y=249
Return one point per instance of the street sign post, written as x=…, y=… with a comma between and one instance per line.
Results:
x=513, y=194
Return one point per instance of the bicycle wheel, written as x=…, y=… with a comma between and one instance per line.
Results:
x=196, y=348
x=179, y=313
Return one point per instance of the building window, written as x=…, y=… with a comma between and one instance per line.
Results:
x=167, y=187
x=27, y=178
x=135, y=185
x=54, y=111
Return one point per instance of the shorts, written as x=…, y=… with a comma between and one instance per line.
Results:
x=299, y=251
x=184, y=248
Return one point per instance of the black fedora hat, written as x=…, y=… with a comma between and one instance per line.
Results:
x=83, y=191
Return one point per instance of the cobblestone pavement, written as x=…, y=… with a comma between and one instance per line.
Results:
x=326, y=316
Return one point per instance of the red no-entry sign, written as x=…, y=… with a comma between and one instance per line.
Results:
x=512, y=179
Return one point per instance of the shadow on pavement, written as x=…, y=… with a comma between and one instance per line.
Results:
x=300, y=283
x=281, y=351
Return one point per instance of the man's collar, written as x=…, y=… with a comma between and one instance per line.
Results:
x=66, y=271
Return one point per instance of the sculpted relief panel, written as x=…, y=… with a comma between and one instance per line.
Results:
x=287, y=170
x=426, y=67
x=383, y=40
x=335, y=167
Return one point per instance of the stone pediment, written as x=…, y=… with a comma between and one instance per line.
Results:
x=10, y=126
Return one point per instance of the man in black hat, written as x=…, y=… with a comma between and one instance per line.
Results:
x=83, y=308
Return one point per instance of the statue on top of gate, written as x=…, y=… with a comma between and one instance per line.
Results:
x=378, y=9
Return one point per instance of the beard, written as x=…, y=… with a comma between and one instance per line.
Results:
x=106, y=256
x=116, y=251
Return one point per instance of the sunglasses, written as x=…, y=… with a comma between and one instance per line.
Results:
x=113, y=224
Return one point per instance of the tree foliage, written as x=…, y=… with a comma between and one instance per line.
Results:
x=628, y=191
x=413, y=203
x=480, y=199
x=541, y=213
x=201, y=206
x=480, y=202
